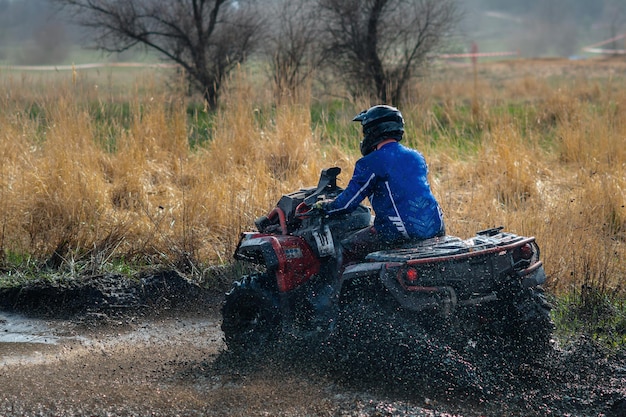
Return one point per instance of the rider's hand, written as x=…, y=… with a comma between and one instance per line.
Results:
x=321, y=205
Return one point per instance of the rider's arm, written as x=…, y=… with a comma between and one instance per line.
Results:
x=360, y=186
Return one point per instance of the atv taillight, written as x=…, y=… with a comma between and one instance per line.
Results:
x=408, y=276
x=419, y=279
x=411, y=275
x=523, y=252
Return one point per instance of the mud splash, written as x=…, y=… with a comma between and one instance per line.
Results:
x=162, y=354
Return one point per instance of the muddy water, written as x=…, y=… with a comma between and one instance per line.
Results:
x=18, y=329
x=114, y=367
x=162, y=366
x=175, y=364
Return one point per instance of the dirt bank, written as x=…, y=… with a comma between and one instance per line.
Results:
x=153, y=347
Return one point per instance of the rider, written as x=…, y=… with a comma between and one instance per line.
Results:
x=394, y=178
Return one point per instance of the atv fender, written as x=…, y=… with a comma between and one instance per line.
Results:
x=533, y=276
x=287, y=257
x=362, y=270
x=440, y=299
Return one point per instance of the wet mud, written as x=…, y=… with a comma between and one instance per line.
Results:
x=153, y=347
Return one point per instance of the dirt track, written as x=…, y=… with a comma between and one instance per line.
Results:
x=172, y=362
x=149, y=350
x=164, y=366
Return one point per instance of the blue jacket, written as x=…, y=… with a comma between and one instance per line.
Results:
x=394, y=178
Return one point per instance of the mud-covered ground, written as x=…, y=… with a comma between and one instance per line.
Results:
x=155, y=348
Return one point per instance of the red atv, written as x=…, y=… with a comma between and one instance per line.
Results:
x=455, y=290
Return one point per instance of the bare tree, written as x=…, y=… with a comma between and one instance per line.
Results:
x=293, y=43
x=208, y=38
x=378, y=45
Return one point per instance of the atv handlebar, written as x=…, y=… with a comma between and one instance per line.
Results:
x=303, y=211
x=327, y=181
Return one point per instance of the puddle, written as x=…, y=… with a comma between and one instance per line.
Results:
x=34, y=341
x=17, y=329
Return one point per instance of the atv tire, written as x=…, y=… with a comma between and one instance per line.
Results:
x=523, y=330
x=533, y=323
x=377, y=342
x=250, y=316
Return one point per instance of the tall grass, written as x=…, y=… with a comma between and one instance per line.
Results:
x=552, y=165
x=94, y=177
x=71, y=195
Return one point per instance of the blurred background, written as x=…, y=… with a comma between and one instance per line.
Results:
x=35, y=32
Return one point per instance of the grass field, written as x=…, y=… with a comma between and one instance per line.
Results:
x=116, y=168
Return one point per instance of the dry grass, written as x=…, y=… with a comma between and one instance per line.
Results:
x=66, y=198
x=543, y=152
x=554, y=168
